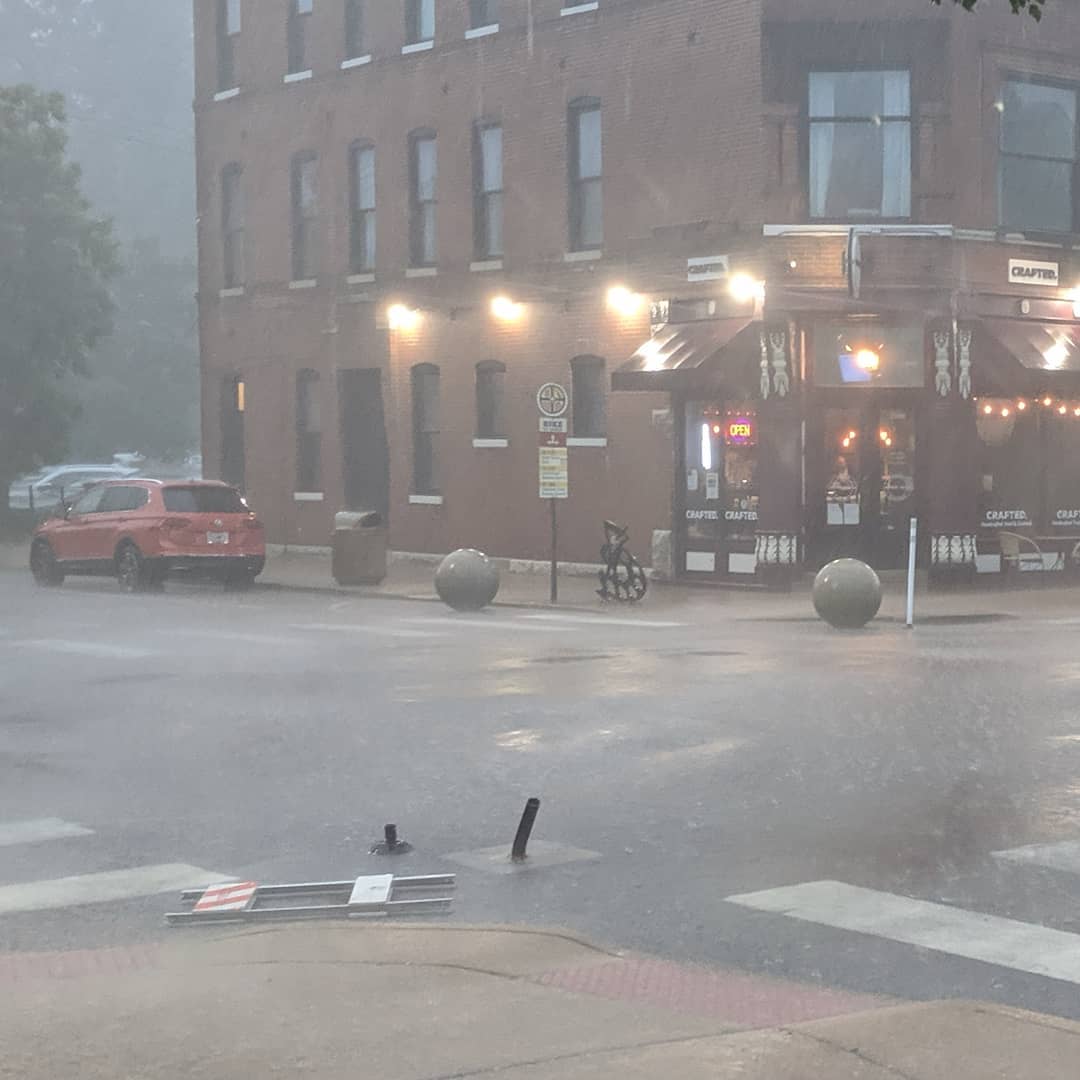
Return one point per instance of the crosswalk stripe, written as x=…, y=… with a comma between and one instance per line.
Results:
x=98, y=650
x=1064, y=856
x=356, y=628
x=601, y=620
x=98, y=888
x=484, y=622
x=39, y=830
x=1037, y=950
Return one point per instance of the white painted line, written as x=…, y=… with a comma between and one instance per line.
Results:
x=86, y=648
x=1063, y=856
x=229, y=635
x=1021, y=946
x=39, y=830
x=604, y=620
x=482, y=622
x=356, y=628
x=100, y=888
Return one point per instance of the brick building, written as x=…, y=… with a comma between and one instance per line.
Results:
x=805, y=268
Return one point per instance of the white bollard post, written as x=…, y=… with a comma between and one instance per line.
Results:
x=910, y=622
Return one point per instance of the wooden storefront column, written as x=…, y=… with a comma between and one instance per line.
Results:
x=779, y=478
x=952, y=458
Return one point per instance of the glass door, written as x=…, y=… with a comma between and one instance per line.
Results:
x=869, y=463
x=720, y=493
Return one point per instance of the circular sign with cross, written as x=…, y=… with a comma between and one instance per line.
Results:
x=552, y=399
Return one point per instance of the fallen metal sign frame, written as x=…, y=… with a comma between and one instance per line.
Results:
x=382, y=894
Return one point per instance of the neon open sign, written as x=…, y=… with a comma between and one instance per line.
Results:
x=740, y=431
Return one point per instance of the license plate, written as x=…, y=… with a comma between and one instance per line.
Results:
x=217, y=537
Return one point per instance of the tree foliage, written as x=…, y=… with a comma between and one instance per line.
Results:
x=56, y=257
x=1034, y=8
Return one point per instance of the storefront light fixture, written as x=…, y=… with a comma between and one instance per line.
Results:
x=625, y=303
x=400, y=317
x=867, y=360
x=1048, y=401
x=1063, y=409
x=988, y=409
x=1006, y=412
x=1056, y=355
x=506, y=310
x=743, y=288
x=1021, y=405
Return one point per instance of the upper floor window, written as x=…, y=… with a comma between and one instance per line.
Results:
x=361, y=207
x=228, y=27
x=419, y=21
x=425, y=409
x=422, y=176
x=589, y=386
x=488, y=191
x=305, y=212
x=490, y=375
x=482, y=13
x=299, y=10
x=354, y=29
x=860, y=144
x=1038, y=141
x=232, y=225
x=586, y=176
x=308, y=432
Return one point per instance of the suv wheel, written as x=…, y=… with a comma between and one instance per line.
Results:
x=131, y=570
x=44, y=567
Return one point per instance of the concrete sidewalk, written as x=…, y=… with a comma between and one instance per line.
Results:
x=412, y=1002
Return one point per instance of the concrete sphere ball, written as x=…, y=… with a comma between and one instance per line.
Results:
x=467, y=580
x=847, y=594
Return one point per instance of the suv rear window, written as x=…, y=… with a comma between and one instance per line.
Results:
x=203, y=500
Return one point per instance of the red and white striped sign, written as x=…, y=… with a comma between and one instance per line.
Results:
x=234, y=896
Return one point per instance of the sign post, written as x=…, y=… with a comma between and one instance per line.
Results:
x=913, y=536
x=552, y=400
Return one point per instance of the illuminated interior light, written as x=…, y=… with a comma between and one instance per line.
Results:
x=852, y=434
x=988, y=409
x=846, y=443
x=1006, y=411
x=1063, y=409
x=743, y=288
x=1048, y=401
x=1021, y=406
x=706, y=447
x=1056, y=355
x=867, y=360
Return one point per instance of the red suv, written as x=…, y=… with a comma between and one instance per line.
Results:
x=141, y=531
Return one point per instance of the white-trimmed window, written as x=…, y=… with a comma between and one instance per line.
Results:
x=860, y=144
x=355, y=31
x=490, y=379
x=305, y=215
x=586, y=175
x=482, y=13
x=589, y=384
x=423, y=171
x=1038, y=155
x=419, y=21
x=308, y=432
x=487, y=191
x=425, y=415
x=361, y=207
x=228, y=29
x=299, y=14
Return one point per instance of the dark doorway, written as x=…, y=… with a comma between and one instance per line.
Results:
x=365, y=455
x=233, y=404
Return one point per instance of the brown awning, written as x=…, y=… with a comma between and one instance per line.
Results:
x=679, y=355
x=1039, y=346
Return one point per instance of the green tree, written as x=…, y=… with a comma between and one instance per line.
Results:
x=1033, y=7
x=56, y=257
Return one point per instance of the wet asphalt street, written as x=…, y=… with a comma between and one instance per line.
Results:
x=683, y=758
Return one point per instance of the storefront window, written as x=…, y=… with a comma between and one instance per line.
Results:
x=868, y=355
x=721, y=494
x=1010, y=466
x=1062, y=474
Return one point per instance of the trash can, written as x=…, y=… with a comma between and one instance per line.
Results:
x=359, y=548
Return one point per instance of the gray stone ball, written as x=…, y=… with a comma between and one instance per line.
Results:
x=847, y=593
x=467, y=580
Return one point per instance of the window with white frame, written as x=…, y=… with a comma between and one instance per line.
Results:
x=490, y=377
x=482, y=13
x=586, y=175
x=422, y=177
x=355, y=38
x=361, y=207
x=228, y=29
x=299, y=13
x=308, y=432
x=488, y=191
x=425, y=409
x=589, y=397
x=1038, y=157
x=419, y=21
x=305, y=213
x=860, y=144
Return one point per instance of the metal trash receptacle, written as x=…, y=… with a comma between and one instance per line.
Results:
x=359, y=548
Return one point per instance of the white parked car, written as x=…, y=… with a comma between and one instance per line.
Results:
x=60, y=481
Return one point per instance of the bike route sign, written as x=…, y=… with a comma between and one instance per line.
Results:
x=552, y=399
